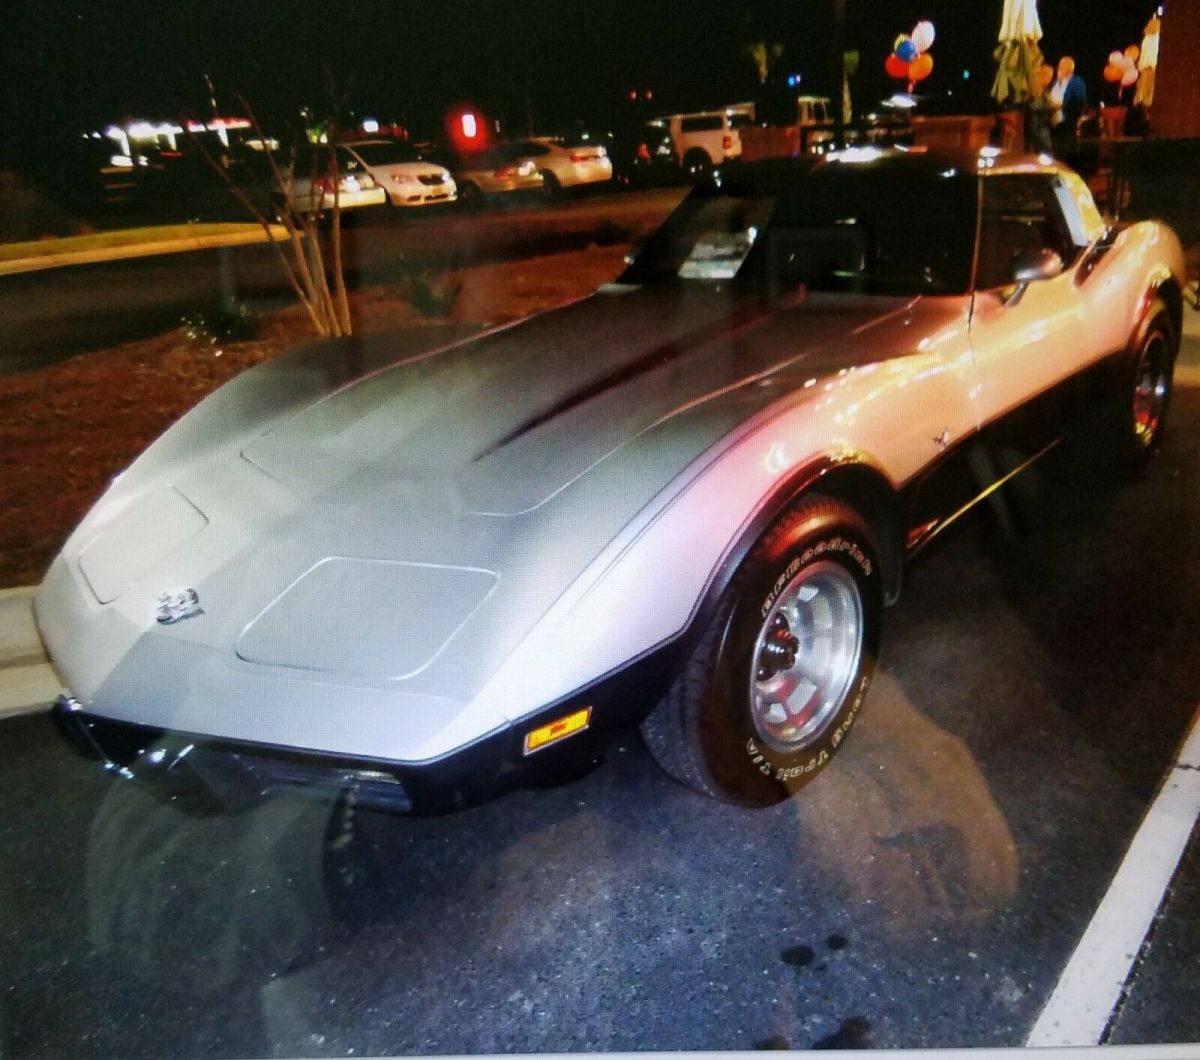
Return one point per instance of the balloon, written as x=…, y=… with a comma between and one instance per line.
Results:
x=1128, y=77
x=906, y=49
x=920, y=68
x=922, y=36
x=1116, y=58
x=896, y=67
x=1132, y=53
x=1113, y=73
x=1045, y=75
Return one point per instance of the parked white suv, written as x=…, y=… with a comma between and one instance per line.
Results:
x=708, y=138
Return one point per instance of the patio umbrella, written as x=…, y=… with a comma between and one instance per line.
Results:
x=1018, y=57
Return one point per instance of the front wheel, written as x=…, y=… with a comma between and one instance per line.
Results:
x=778, y=677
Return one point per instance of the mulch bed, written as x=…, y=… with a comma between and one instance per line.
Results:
x=67, y=429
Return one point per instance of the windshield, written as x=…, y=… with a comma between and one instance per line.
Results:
x=838, y=229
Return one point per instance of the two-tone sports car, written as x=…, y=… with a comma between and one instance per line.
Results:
x=683, y=500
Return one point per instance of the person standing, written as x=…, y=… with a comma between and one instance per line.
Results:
x=1068, y=98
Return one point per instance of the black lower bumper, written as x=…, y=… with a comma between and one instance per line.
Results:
x=235, y=774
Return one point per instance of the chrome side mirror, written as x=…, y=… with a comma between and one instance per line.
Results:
x=1030, y=266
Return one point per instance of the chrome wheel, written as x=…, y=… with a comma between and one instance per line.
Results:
x=806, y=655
x=1151, y=391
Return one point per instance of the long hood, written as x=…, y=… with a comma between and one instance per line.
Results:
x=502, y=423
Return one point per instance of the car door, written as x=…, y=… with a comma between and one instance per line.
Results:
x=1026, y=340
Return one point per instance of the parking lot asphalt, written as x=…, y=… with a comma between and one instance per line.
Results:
x=927, y=890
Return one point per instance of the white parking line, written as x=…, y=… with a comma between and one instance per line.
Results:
x=1089, y=990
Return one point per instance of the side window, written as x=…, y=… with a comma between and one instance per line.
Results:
x=1020, y=213
x=702, y=123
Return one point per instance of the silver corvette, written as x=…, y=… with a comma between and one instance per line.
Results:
x=683, y=500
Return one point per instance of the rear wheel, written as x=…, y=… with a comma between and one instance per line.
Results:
x=1145, y=393
x=779, y=675
x=551, y=188
x=697, y=165
x=470, y=195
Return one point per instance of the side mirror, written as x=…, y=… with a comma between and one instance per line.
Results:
x=1030, y=266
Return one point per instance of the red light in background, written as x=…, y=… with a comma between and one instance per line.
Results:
x=633, y=94
x=467, y=128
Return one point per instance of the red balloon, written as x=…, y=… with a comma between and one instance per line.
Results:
x=896, y=67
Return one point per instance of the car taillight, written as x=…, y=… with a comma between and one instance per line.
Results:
x=581, y=156
x=323, y=184
x=727, y=143
x=643, y=152
x=505, y=172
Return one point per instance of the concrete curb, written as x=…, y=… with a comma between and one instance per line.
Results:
x=20, y=644
x=28, y=683
x=53, y=260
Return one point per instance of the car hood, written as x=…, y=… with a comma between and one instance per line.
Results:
x=502, y=423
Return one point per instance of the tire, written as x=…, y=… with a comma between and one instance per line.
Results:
x=697, y=165
x=469, y=195
x=551, y=188
x=1145, y=391
x=717, y=730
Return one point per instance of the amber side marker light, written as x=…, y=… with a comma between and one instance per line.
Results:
x=559, y=729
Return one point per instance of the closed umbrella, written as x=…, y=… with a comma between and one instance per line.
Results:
x=1018, y=57
x=1148, y=63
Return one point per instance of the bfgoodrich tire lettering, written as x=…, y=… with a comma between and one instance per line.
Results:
x=778, y=678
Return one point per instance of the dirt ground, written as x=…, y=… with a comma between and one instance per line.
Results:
x=67, y=429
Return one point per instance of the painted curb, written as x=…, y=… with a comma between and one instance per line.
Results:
x=139, y=250
x=28, y=689
x=20, y=644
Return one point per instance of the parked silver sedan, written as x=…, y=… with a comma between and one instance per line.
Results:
x=499, y=171
x=684, y=500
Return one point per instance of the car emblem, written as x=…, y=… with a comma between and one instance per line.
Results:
x=175, y=606
x=943, y=439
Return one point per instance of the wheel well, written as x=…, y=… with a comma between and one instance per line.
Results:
x=1172, y=297
x=869, y=493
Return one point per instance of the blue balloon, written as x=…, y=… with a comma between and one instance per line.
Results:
x=906, y=50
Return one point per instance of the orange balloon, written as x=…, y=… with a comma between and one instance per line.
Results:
x=1045, y=75
x=1132, y=53
x=1113, y=73
x=921, y=67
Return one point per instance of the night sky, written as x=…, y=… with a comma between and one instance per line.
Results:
x=71, y=65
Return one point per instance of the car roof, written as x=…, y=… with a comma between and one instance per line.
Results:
x=984, y=161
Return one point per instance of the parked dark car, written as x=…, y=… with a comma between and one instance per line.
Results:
x=643, y=155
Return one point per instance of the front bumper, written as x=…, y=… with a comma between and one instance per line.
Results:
x=236, y=773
